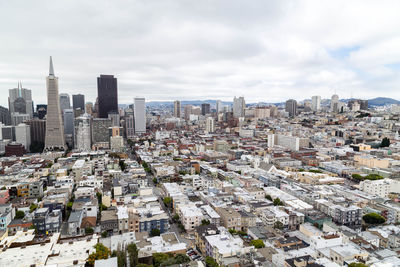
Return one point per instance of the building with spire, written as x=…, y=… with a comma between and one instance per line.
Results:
x=20, y=101
x=54, y=127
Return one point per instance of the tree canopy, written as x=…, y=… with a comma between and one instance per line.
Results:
x=374, y=218
x=258, y=243
x=385, y=142
x=102, y=252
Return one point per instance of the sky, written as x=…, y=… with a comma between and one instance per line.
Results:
x=266, y=51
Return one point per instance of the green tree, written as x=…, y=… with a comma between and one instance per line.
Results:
x=121, y=258
x=99, y=197
x=155, y=181
x=205, y=222
x=175, y=218
x=122, y=165
x=181, y=258
x=133, y=253
x=143, y=265
x=102, y=252
x=19, y=214
x=159, y=258
x=89, y=231
x=104, y=234
x=278, y=225
x=32, y=207
x=268, y=197
x=357, y=177
x=155, y=232
x=278, y=202
x=374, y=218
x=258, y=243
x=385, y=142
x=210, y=262
x=167, y=201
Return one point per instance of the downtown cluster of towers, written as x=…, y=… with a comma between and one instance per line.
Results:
x=61, y=123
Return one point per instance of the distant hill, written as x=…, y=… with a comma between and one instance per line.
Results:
x=381, y=101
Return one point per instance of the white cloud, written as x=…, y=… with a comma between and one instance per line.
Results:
x=165, y=50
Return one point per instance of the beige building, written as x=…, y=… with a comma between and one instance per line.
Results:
x=370, y=161
x=190, y=216
x=230, y=218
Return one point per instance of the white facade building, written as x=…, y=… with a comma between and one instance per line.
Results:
x=23, y=135
x=140, y=115
x=316, y=103
x=83, y=140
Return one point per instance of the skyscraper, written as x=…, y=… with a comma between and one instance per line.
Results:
x=41, y=111
x=20, y=101
x=83, y=140
x=210, y=125
x=115, y=118
x=238, y=106
x=177, y=108
x=5, y=116
x=64, y=102
x=140, y=115
x=107, y=95
x=316, y=103
x=129, y=126
x=205, y=109
x=38, y=130
x=78, y=101
x=218, y=106
x=54, y=128
x=335, y=103
x=68, y=115
x=100, y=130
x=188, y=111
x=291, y=107
x=23, y=135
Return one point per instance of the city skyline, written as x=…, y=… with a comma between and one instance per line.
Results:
x=197, y=53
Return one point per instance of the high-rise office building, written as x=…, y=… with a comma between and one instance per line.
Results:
x=177, y=108
x=89, y=108
x=38, y=130
x=188, y=111
x=23, y=135
x=83, y=137
x=291, y=107
x=140, y=115
x=54, y=127
x=41, y=111
x=78, y=102
x=20, y=101
x=107, y=95
x=238, y=107
x=68, y=121
x=115, y=118
x=335, y=103
x=129, y=126
x=17, y=118
x=5, y=116
x=205, y=109
x=210, y=125
x=100, y=130
x=218, y=106
x=316, y=103
x=64, y=102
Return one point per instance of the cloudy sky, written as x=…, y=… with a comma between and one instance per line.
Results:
x=165, y=50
